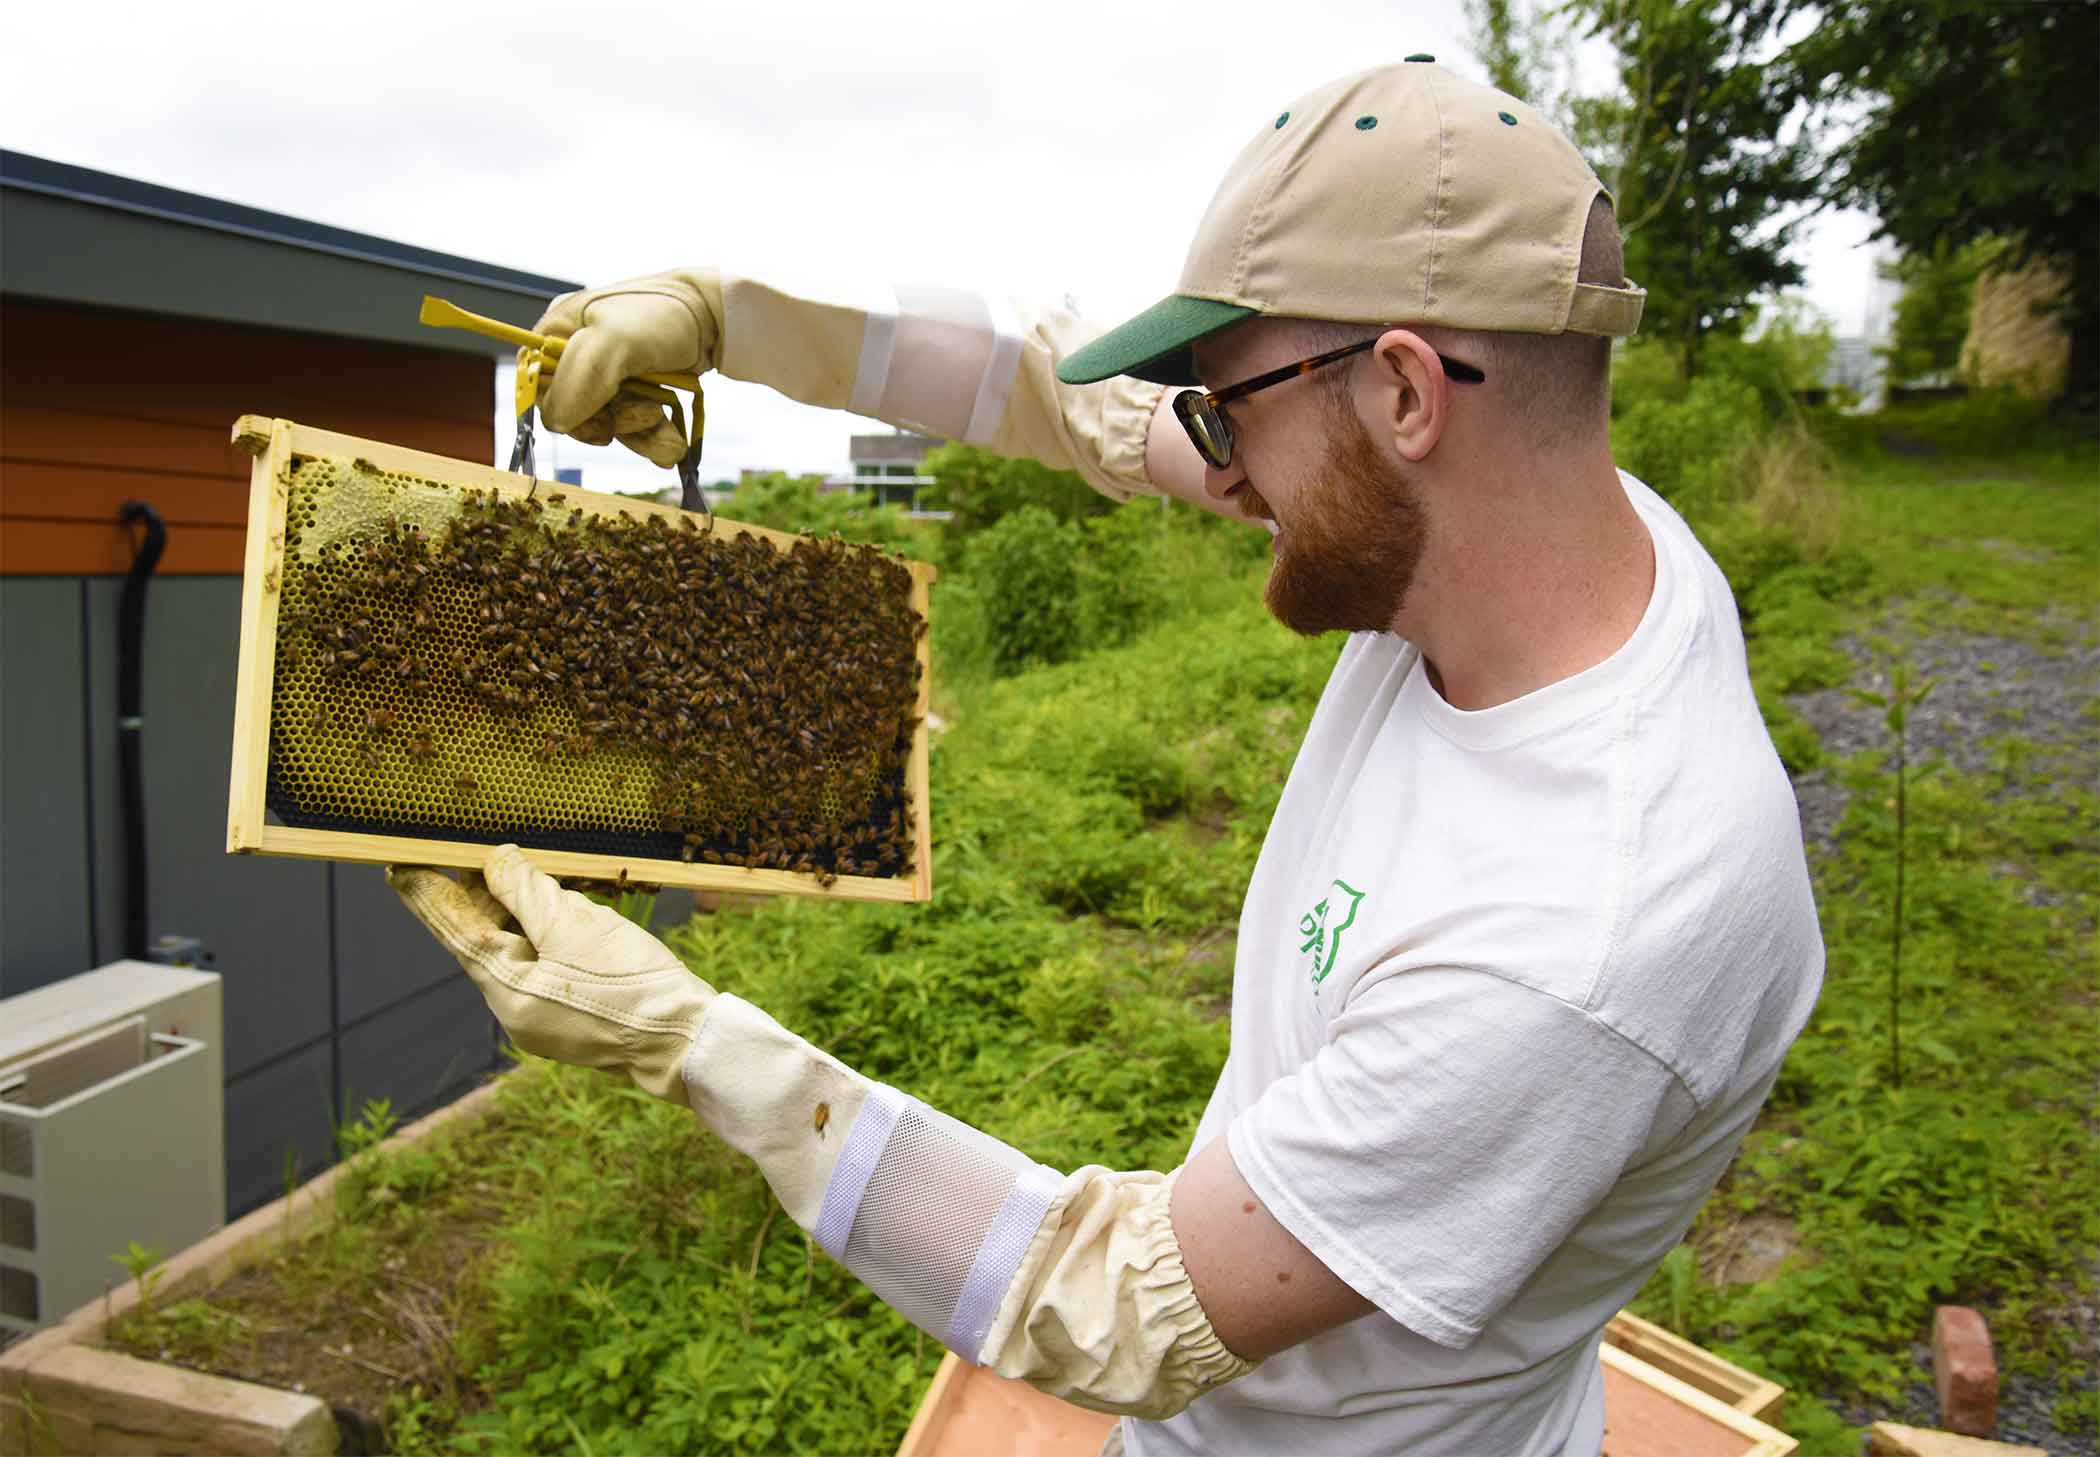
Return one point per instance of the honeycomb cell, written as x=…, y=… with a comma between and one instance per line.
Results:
x=457, y=666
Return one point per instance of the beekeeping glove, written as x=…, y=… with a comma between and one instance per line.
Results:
x=944, y=361
x=1072, y=1282
x=582, y=983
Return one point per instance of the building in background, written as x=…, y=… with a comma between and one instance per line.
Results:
x=890, y=466
x=139, y=323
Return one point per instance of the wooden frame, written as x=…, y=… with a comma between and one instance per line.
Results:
x=1759, y=1439
x=1668, y=1352
x=274, y=444
x=971, y=1410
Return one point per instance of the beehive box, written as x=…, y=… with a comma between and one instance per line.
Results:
x=1691, y=1403
x=437, y=657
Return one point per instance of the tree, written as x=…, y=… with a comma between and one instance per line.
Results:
x=1511, y=46
x=1702, y=164
x=1797, y=337
x=1932, y=313
x=1982, y=119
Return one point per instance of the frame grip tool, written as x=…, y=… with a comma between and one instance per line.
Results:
x=539, y=355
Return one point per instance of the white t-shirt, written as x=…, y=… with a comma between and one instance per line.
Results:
x=1511, y=986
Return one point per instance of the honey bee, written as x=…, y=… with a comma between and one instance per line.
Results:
x=821, y=1119
x=465, y=784
x=320, y=720
x=378, y=721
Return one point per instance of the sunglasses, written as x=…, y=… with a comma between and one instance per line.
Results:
x=1203, y=416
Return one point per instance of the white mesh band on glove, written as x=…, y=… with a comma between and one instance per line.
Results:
x=945, y=361
x=1073, y=1283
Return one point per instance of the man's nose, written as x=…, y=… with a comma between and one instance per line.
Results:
x=1218, y=483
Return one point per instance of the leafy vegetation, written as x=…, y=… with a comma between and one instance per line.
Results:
x=1932, y=313
x=620, y=1282
x=1975, y=1181
x=1981, y=121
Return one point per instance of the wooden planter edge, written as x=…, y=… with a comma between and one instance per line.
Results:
x=63, y=1390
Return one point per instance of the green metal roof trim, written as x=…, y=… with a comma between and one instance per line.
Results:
x=74, y=234
x=106, y=189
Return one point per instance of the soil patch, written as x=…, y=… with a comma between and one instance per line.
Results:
x=359, y=1312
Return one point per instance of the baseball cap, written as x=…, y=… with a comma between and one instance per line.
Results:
x=1405, y=194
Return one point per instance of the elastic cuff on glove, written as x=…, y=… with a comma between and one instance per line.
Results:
x=1147, y=1349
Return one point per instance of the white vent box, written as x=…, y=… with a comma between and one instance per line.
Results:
x=112, y=1131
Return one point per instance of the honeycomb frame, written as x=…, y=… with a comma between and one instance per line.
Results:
x=277, y=446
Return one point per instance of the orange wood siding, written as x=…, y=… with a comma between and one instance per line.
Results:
x=100, y=407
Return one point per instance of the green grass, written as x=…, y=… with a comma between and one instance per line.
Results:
x=1095, y=824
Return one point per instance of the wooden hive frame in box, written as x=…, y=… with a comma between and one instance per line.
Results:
x=282, y=448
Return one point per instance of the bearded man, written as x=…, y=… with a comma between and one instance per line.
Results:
x=1531, y=930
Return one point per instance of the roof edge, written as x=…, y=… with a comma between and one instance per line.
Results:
x=27, y=173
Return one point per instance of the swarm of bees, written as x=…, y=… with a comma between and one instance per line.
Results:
x=761, y=699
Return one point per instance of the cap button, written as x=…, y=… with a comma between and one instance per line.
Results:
x=1421, y=56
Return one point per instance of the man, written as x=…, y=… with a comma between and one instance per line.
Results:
x=1531, y=930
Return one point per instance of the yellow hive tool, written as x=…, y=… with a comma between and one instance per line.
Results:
x=539, y=355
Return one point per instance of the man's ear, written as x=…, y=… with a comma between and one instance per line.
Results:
x=1416, y=395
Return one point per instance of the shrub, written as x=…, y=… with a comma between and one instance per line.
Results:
x=1642, y=370
x=1932, y=315
x=800, y=504
x=1025, y=567
x=1982, y=422
x=1122, y=581
x=1044, y=590
x=1679, y=448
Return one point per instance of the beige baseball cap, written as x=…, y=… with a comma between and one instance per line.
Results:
x=1405, y=194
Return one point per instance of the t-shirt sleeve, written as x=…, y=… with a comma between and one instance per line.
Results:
x=1444, y=1141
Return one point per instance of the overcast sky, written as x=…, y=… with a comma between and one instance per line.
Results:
x=1031, y=149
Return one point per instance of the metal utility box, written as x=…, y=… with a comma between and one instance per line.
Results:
x=112, y=1131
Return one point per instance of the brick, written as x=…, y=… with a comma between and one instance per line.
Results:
x=1964, y=1372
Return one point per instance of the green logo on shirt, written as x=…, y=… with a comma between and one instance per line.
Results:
x=1323, y=925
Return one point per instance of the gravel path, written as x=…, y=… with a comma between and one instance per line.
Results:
x=1986, y=687
x=2047, y=693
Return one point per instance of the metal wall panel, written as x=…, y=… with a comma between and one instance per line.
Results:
x=383, y=954
x=45, y=875
x=281, y=1111
x=420, y=1053
x=265, y=921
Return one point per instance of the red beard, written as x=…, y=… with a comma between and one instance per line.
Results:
x=1345, y=561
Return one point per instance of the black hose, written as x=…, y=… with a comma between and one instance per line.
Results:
x=131, y=635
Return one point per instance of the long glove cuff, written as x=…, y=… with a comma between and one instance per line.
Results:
x=949, y=362
x=1150, y=1352
x=1074, y=1283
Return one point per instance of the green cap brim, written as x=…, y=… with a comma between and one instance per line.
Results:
x=1155, y=345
